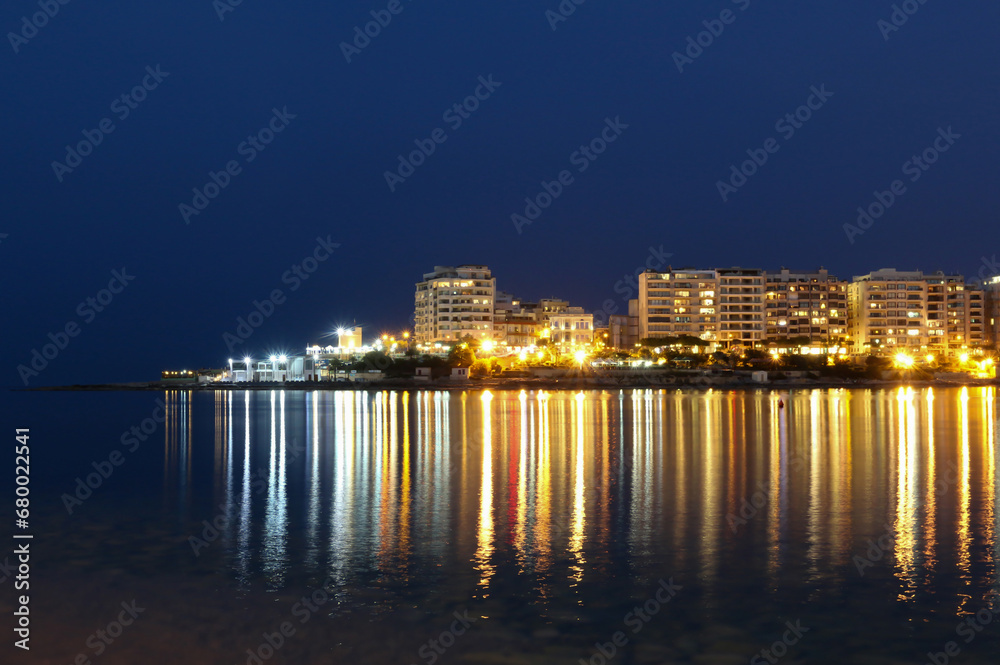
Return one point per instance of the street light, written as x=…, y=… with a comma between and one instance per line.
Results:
x=249, y=372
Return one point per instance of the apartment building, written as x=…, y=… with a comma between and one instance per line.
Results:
x=571, y=327
x=543, y=309
x=965, y=311
x=623, y=329
x=805, y=309
x=451, y=303
x=678, y=302
x=937, y=314
x=741, y=307
x=517, y=331
x=992, y=314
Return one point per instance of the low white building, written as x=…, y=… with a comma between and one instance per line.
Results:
x=571, y=327
x=274, y=368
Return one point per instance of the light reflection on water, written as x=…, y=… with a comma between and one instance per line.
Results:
x=569, y=498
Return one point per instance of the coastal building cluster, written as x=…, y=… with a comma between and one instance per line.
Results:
x=910, y=316
x=881, y=313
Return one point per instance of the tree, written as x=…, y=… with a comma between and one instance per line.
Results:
x=461, y=356
x=484, y=367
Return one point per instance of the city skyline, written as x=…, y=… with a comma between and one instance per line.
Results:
x=206, y=150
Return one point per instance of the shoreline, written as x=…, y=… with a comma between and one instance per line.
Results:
x=581, y=383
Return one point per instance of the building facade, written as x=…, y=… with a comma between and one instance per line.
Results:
x=623, y=329
x=283, y=368
x=678, y=302
x=893, y=311
x=992, y=313
x=516, y=331
x=805, y=309
x=571, y=327
x=741, y=307
x=451, y=303
x=723, y=306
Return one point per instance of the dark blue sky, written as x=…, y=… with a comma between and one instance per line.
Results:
x=323, y=175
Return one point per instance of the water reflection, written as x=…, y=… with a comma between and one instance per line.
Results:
x=377, y=488
x=484, y=551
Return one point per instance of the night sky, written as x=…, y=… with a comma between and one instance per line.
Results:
x=215, y=83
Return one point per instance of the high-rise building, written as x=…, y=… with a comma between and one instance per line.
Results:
x=454, y=302
x=741, y=307
x=934, y=313
x=992, y=314
x=805, y=308
x=725, y=306
x=678, y=302
x=889, y=311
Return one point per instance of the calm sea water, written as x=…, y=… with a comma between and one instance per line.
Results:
x=372, y=523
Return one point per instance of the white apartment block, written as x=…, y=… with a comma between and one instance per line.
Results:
x=454, y=302
x=571, y=327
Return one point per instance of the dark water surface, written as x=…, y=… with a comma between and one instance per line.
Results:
x=545, y=522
